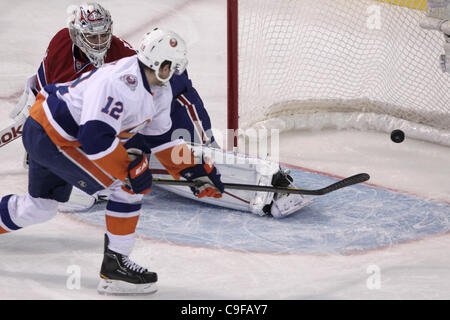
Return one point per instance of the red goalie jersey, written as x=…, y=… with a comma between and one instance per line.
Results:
x=64, y=61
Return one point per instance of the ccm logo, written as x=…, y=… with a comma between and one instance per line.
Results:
x=10, y=135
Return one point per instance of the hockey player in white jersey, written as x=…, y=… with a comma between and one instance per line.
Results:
x=190, y=121
x=188, y=114
x=73, y=138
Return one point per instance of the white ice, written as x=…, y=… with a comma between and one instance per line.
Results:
x=37, y=262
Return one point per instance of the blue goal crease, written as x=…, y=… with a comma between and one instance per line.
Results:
x=353, y=219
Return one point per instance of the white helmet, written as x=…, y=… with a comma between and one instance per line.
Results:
x=160, y=45
x=90, y=28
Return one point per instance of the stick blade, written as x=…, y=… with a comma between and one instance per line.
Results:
x=357, y=178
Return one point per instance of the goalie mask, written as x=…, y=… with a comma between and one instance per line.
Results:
x=158, y=46
x=90, y=28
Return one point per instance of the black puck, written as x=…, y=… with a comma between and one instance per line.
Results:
x=397, y=136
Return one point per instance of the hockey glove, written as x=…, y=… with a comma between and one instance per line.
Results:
x=208, y=179
x=139, y=175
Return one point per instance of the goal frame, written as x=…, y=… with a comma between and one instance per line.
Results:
x=233, y=76
x=370, y=121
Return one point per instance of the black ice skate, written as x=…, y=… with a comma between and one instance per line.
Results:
x=121, y=276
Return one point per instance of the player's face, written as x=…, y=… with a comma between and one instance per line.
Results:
x=97, y=41
x=164, y=72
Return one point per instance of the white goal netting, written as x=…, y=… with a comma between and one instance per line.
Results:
x=361, y=64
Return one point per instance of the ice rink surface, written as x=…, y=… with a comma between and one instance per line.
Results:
x=384, y=240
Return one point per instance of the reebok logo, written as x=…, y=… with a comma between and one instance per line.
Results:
x=10, y=134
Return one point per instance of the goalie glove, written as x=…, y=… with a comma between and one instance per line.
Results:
x=208, y=178
x=140, y=178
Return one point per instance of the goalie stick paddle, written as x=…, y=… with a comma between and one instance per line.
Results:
x=357, y=178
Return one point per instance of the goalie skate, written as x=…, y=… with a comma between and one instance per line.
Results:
x=286, y=204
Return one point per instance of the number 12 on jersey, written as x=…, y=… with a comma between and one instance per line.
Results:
x=115, y=111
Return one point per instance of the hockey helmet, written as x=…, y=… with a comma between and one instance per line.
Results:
x=161, y=45
x=90, y=28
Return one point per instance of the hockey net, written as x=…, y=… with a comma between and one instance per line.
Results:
x=361, y=64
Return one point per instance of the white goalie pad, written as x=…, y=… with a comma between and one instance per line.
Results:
x=122, y=288
x=234, y=168
x=238, y=168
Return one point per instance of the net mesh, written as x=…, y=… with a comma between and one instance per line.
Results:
x=363, y=56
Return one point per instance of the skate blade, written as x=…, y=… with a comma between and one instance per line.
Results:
x=122, y=288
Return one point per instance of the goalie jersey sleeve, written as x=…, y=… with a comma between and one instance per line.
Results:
x=98, y=110
x=63, y=62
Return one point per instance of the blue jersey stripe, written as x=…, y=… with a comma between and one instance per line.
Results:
x=4, y=214
x=61, y=114
x=123, y=207
x=41, y=75
x=96, y=136
x=144, y=77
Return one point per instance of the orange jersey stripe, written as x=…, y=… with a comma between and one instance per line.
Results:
x=3, y=230
x=37, y=112
x=127, y=133
x=176, y=158
x=121, y=226
x=76, y=155
x=116, y=163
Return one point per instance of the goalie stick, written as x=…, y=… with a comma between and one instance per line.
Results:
x=12, y=132
x=357, y=178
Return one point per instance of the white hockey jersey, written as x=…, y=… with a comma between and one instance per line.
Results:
x=102, y=109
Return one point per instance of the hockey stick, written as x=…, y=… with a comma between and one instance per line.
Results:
x=12, y=132
x=357, y=178
x=79, y=201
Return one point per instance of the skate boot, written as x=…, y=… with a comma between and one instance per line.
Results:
x=284, y=204
x=121, y=276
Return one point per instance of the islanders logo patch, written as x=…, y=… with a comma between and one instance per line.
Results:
x=173, y=42
x=130, y=80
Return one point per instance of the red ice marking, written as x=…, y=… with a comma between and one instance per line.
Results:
x=13, y=96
